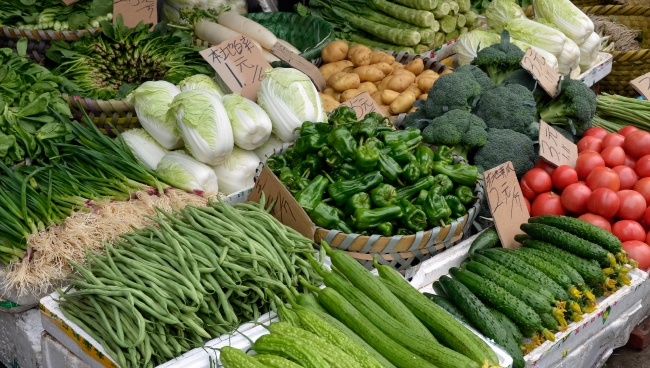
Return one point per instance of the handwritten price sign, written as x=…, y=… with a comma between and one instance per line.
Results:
x=239, y=63
x=301, y=64
x=545, y=75
x=68, y=2
x=506, y=202
x=136, y=11
x=642, y=85
x=555, y=148
x=363, y=104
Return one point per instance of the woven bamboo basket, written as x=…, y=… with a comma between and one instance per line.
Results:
x=35, y=49
x=45, y=35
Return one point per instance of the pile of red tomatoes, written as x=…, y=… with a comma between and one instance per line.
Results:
x=609, y=187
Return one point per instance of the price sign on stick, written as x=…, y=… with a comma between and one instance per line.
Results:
x=506, y=202
x=301, y=64
x=642, y=85
x=68, y=2
x=363, y=104
x=555, y=148
x=545, y=75
x=239, y=63
x=135, y=11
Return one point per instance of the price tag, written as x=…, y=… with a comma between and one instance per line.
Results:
x=363, y=104
x=136, y=11
x=301, y=64
x=506, y=203
x=68, y=2
x=642, y=85
x=239, y=63
x=555, y=148
x=545, y=75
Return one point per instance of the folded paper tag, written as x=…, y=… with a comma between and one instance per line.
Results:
x=555, y=148
x=363, y=104
x=301, y=64
x=642, y=85
x=136, y=11
x=543, y=73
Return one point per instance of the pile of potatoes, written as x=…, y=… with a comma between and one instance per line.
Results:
x=393, y=85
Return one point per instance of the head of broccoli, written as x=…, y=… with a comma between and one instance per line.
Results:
x=524, y=78
x=417, y=119
x=500, y=59
x=479, y=76
x=574, y=107
x=455, y=91
x=509, y=106
x=459, y=129
x=505, y=145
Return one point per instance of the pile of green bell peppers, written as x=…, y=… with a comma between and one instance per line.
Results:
x=363, y=176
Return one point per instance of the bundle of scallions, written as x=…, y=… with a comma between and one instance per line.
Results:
x=614, y=112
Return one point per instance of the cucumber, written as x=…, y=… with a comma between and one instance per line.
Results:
x=308, y=300
x=235, y=358
x=508, y=325
x=439, y=290
x=481, y=317
x=548, y=268
x=500, y=299
x=570, y=243
x=449, y=307
x=290, y=348
x=582, y=229
x=485, y=240
x=549, y=321
x=274, y=361
x=521, y=237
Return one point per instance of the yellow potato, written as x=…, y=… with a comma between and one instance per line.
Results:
x=402, y=103
x=399, y=71
x=328, y=69
x=384, y=108
x=423, y=96
x=377, y=97
x=400, y=82
x=413, y=88
x=360, y=56
x=415, y=66
x=369, y=73
x=354, y=49
x=384, y=83
x=447, y=71
x=329, y=103
x=413, y=109
x=384, y=67
x=342, y=81
x=388, y=96
x=426, y=73
x=350, y=94
x=368, y=86
x=426, y=83
x=381, y=57
x=348, y=69
x=332, y=93
x=334, y=51
x=397, y=66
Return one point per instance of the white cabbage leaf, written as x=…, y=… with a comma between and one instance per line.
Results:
x=200, y=81
x=251, y=126
x=589, y=51
x=551, y=60
x=501, y=11
x=271, y=144
x=238, y=171
x=151, y=100
x=567, y=17
x=569, y=59
x=470, y=43
x=536, y=34
x=184, y=172
x=144, y=147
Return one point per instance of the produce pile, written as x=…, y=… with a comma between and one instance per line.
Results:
x=614, y=112
x=55, y=15
x=393, y=85
x=364, y=177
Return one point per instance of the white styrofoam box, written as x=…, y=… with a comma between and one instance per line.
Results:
x=25, y=301
x=239, y=197
x=20, y=339
x=55, y=355
x=598, y=71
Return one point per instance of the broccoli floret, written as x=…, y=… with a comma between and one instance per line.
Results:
x=455, y=91
x=524, y=78
x=506, y=145
x=500, y=59
x=417, y=119
x=479, y=76
x=509, y=106
x=457, y=128
x=574, y=108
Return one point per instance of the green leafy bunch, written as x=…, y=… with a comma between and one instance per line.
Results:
x=54, y=14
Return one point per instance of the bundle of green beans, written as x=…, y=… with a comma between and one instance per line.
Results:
x=160, y=291
x=614, y=112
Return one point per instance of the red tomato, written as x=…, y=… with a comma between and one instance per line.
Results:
x=637, y=144
x=638, y=251
x=597, y=132
x=526, y=191
x=599, y=221
x=574, y=198
x=527, y=205
x=586, y=151
x=632, y=206
x=646, y=216
x=564, y=176
x=613, y=156
x=547, y=204
x=586, y=162
x=603, y=177
x=626, y=130
x=541, y=164
x=590, y=143
x=643, y=186
x=643, y=166
x=626, y=230
x=538, y=180
x=603, y=202
x=630, y=161
x=627, y=176
x=613, y=139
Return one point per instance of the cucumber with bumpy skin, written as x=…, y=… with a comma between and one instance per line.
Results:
x=507, y=324
x=485, y=240
x=439, y=290
x=449, y=307
x=582, y=229
x=549, y=269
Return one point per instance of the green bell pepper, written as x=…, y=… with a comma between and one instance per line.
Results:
x=445, y=184
x=287, y=177
x=399, y=136
x=344, y=143
x=385, y=229
x=328, y=217
x=422, y=196
x=333, y=159
x=348, y=171
x=436, y=209
x=275, y=163
x=300, y=184
x=411, y=172
x=443, y=154
x=365, y=128
x=457, y=208
x=311, y=143
x=310, y=165
x=367, y=158
x=403, y=231
x=375, y=142
x=309, y=127
x=462, y=174
x=341, y=191
x=413, y=218
x=464, y=194
x=389, y=168
x=311, y=195
x=290, y=155
x=383, y=195
x=401, y=152
x=359, y=200
x=342, y=115
x=423, y=184
x=424, y=157
x=366, y=219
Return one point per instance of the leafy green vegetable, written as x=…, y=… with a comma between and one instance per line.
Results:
x=54, y=14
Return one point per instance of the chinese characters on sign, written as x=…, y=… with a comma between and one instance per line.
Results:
x=555, y=148
x=506, y=202
x=135, y=11
x=239, y=63
x=363, y=104
x=68, y=2
x=642, y=85
x=545, y=75
x=301, y=64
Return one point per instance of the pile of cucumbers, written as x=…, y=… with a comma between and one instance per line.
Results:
x=508, y=294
